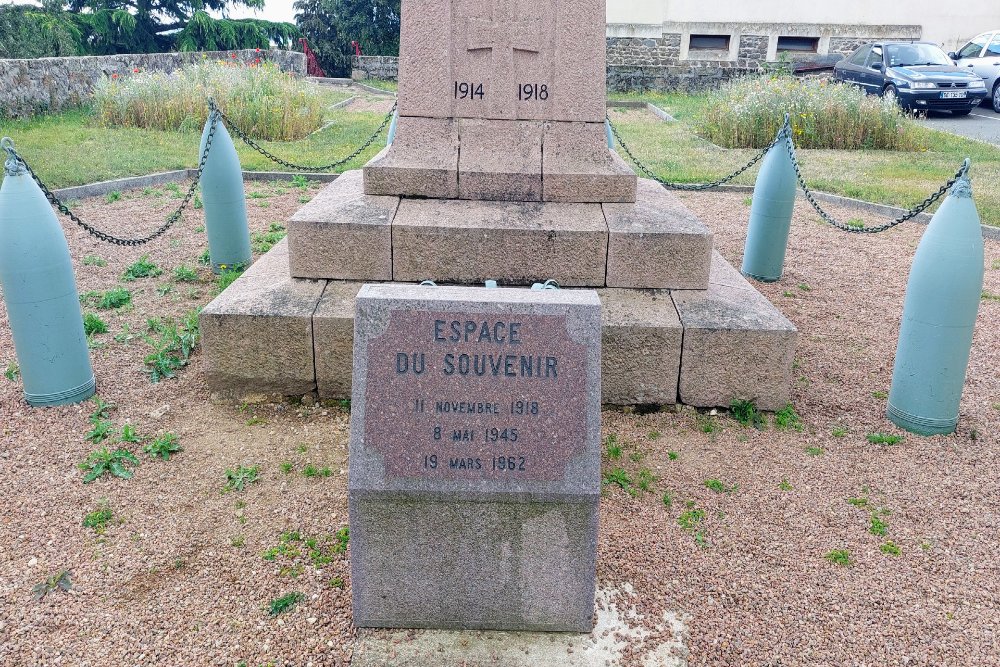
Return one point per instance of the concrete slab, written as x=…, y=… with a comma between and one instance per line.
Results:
x=257, y=335
x=640, y=347
x=514, y=243
x=421, y=162
x=333, y=336
x=656, y=242
x=500, y=160
x=616, y=627
x=737, y=345
x=578, y=166
x=343, y=234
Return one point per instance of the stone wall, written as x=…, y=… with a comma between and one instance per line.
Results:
x=375, y=67
x=51, y=84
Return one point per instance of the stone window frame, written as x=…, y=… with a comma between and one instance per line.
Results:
x=814, y=39
x=822, y=46
x=687, y=53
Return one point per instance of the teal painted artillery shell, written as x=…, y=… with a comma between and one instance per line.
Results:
x=770, y=216
x=939, y=315
x=391, y=136
x=225, y=202
x=40, y=293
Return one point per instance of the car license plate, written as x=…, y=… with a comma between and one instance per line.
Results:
x=953, y=95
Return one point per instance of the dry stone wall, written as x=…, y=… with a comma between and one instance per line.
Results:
x=51, y=84
x=375, y=67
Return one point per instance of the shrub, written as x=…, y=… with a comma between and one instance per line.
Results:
x=748, y=112
x=261, y=100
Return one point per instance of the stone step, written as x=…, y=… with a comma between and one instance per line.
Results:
x=270, y=334
x=654, y=242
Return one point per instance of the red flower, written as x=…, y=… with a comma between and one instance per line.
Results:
x=233, y=55
x=257, y=60
x=114, y=76
x=257, y=50
x=135, y=71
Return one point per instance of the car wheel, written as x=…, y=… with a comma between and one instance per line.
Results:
x=996, y=97
x=961, y=112
x=890, y=93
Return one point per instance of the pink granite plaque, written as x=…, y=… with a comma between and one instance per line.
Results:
x=476, y=396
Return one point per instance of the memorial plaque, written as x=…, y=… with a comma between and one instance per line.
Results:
x=475, y=457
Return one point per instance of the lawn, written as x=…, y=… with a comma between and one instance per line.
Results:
x=676, y=153
x=70, y=149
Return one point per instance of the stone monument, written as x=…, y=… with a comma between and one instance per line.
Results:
x=500, y=170
x=475, y=458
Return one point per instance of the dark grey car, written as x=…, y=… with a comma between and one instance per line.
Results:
x=917, y=74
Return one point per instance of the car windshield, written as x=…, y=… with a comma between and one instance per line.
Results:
x=908, y=55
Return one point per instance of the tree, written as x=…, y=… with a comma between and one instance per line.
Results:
x=99, y=27
x=331, y=26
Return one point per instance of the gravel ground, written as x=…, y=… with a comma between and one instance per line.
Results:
x=178, y=576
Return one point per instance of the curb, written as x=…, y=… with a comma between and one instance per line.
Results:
x=340, y=105
x=104, y=187
x=373, y=89
x=660, y=113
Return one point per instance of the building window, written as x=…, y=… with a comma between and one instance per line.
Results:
x=708, y=43
x=798, y=44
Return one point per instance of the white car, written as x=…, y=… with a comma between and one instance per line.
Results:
x=982, y=56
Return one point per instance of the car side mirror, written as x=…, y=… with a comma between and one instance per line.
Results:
x=953, y=55
x=876, y=66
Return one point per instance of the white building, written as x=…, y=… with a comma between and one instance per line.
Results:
x=695, y=44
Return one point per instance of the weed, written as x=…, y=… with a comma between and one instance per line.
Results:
x=163, y=446
x=173, y=350
x=748, y=201
x=336, y=582
x=12, y=372
x=59, y=581
x=877, y=526
x=256, y=421
x=129, y=434
x=142, y=268
x=717, y=486
x=690, y=519
x=890, y=548
x=814, y=451
x=707, y=423
x=238, y=541
x=119, y=297
x=342, y=536
x=613, y=448
x=787, y=294
x=228, y=277
x=787, y=418
x=305, y=199
x=804, y=287
x=300, y=181
x=653, y=435
x=163, y=290
x=747, y=414
x=880, y=395
x=92, y=324
x=644, y=480
x=99, y=518
x=302, y=448
x=860, y=502
x=100, y=430
x=996, y=264
x=102, y=461
x=240, y=478
x=286, y=467
x=102, y=409
x=285, y=603
x=112, y=197
x=185, y=274
x=926, y=546
x=857, y=223
x=264, y=241
x=785, y=485
x=636, y=457
x=94, y=260
x=884, y=439
x=672, y=455
x=840, y=557
x=258, y=195
x=198, y=204
x=990, y=296
x=668, y=499
x=173, y=189
x=621, y=478
x=839, y=432
x=205, y=258
x=310, y=470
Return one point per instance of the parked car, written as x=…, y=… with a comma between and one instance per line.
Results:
x=982, y=56
x=919, y=75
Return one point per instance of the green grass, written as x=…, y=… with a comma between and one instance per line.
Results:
x=890, y=548
x=786, y=418
x=285, y=603
x=115, y=298
x=92, y=324
x=884, y=439
x=99, y=519
x=840, y=557
x=141, y=268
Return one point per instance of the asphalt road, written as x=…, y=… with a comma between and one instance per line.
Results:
x=982, y=124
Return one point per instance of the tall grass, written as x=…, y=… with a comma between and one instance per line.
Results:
x=261, y=100
x=748, y=112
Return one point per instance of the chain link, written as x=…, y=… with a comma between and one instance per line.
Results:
x=109, y=238
x=298, y=167
x=693, y=187
x=908, y=215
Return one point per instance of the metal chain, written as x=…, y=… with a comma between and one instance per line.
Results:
x=694, y=187
x=109, y=238
x=298, y=167
x=909, y=215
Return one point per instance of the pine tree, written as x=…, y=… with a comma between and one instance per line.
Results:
x=331, y=26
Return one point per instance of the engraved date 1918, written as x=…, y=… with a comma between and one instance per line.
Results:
x=529, y=92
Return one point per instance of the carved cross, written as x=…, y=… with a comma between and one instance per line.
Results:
x=502, y=35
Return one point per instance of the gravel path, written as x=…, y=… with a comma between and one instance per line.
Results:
x=179, y=576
